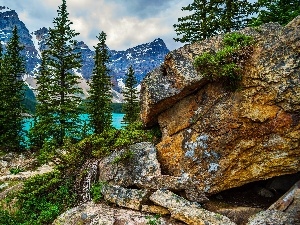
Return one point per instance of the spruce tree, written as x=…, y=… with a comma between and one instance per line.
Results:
x=44, y=116
x=234, y=15
x=201, y=24
x=211, y=17
x=58, y=110
x=2, y=102
x=99, y=101
x=131, y=102
x=12, y=95
x=281, y=11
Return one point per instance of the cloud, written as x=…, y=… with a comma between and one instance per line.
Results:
x=126, y=23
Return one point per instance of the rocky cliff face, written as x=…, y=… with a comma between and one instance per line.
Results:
x=8, y=20
x=225, y=139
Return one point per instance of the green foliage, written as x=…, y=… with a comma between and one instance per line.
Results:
x=281, y=11
x=227, y=63
x=59, y=101
x=128, y=154
x=133, y=133
x=234, y=14
x=15, y=170
x=47, y=152
x=153, y=220
x=71, y=154
x=99, y=101
x=199, y=25
x=211, y=17
x=131, y=106
x=237, y=40
x=41, y=200
x=100, y=145
x=5, y=218
x=11, y=91
x=117, y=107
x=96, y=191
x=29, y=101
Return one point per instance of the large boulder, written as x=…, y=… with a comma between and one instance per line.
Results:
x=224, y=139
x=141, y=169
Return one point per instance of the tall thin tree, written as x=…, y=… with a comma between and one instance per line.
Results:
x=131, y=101
x=211, y=17
x=234, y=15
x=199, y=25
x=12, y=95
x=99, y=102
x=58, y=114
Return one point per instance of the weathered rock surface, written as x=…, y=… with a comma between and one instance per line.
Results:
x=143, y=170
x=290, y=203
x=239, y=215
x=294, y=208
x=131, y=171
x=189, y=212
x=92, y=214
x=273, y=217
x=225, y=139
x=87, y=175
x=129, y=198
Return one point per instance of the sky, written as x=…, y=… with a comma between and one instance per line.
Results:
x=127, y=23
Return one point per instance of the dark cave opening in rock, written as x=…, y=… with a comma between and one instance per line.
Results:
x=259, y=194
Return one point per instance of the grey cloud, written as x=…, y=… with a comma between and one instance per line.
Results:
x=145, y=8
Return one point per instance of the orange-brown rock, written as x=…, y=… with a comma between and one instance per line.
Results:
x=222, y=138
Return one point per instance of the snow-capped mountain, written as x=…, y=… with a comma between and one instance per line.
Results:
x=143, y=58
x=8, y=20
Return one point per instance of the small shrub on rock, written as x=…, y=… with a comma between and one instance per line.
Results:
x=227, y=63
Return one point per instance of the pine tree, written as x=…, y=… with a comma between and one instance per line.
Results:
x=201, y=24
x=44, y=113
x=211, y=17
x=58, y=110
x=12, y=95
x=2, y=101
x=131, y=106
x=99, y=101
x=234, y=15
x=281, y=11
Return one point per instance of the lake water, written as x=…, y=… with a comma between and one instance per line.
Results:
x=116, y=120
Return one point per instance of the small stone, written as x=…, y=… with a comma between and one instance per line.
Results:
x=84, y=216
x=2, y=186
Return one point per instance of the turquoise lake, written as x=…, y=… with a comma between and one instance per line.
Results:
x=116, y=120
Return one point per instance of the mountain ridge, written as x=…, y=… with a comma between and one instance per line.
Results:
x=144, y=57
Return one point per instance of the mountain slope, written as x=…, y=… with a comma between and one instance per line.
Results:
x=144, y=58
x=8, y=20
